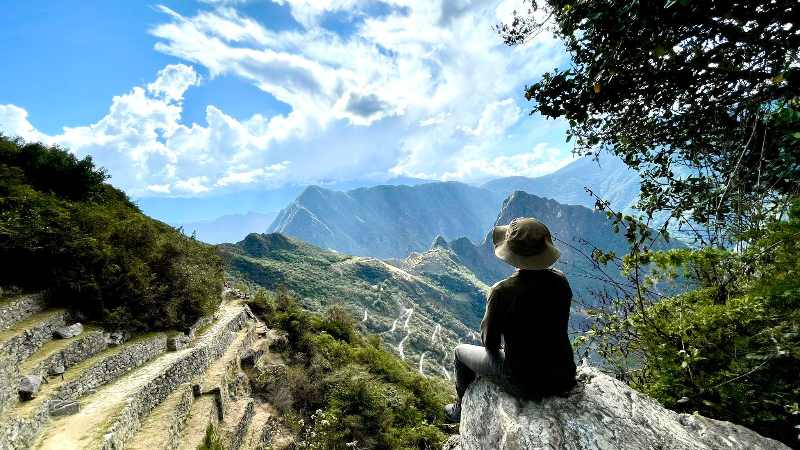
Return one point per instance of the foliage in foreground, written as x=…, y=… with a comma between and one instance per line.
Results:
x=64, y=230
x=345, y=388
x=728, y=349
x=701, y=98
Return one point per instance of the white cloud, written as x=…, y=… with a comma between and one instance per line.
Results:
x=496, y=118
x=194, y=185
x=173, y=81
x=159, y=188
x=540, y=160
x=252, y=176
x=427, y=89
x=14, y=122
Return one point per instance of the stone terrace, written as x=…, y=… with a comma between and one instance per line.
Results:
x=154, y=391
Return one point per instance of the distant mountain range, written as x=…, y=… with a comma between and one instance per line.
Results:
x=229, y=228
x=608, y=177
x=393, y=221
x=184, y=210
x=388, y=221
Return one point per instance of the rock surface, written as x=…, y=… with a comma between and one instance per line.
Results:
x=175, y=343
x=29, y=386
x=600, y=413
x=69, y=331
x=60, y=408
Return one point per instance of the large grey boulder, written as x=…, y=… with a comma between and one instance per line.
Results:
x=69, y=331
x=29, y=386
x=600, y=413
x=60, y=408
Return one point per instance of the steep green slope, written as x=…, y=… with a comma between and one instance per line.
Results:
x=64, y=230
x=419, y=312
x=341, y=386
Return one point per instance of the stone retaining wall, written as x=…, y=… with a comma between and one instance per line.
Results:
x=85, y=346
x=20, y=308
x=113, y=367
x=27, y=342
x=19, y=432
x=9, y=379
x=237, y=435
x=194, y=362
x=179, y=417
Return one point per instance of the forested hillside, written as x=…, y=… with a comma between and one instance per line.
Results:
x=419, y=312
x=64, y=230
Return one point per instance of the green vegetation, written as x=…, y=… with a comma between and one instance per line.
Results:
x=322, y=278
x=730, y=349
x=212, y=440
x=342, y=387
x=702, y=99
x=64, y=230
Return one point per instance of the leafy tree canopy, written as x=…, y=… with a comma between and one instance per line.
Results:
x=701, y=97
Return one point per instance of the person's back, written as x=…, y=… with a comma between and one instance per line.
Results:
x=524, y=331
x=538, y=354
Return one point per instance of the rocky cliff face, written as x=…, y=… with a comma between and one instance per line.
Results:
x=607, y=177
x=388, y=221
x=600, y=413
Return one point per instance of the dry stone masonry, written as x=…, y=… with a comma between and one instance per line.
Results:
x=63, y=385
x=20, y=308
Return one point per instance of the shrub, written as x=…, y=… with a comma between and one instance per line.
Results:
x=349, y=389
x=731, y=350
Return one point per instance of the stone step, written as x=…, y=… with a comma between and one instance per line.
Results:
x=22, y=424
x=163, y=427
x=19, y=308
x=25, y=337
x=203, y=413
x=238, y=416
x=110, y=417
x=264, y=430
x=214, y=390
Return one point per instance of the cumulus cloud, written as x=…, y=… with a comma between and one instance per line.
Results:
x=14, y=122
x=496, y=118
x=540, y=160
x=422, y=89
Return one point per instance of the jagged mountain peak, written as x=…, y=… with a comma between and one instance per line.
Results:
x=440, y=242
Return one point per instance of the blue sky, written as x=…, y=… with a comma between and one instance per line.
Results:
x=199, y=99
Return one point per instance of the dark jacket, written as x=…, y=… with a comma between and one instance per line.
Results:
x=527, y=316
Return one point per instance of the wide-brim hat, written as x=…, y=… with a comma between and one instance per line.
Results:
x=525, y=243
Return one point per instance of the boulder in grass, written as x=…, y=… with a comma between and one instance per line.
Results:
x=57, y=370
x=69, y=331
x=600, y=413
x=64, y=408
x=29, y=386
x=117, y=337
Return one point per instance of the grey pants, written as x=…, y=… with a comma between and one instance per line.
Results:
x=472, y=361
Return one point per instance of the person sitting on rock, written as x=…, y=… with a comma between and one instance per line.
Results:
x=526, y=348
